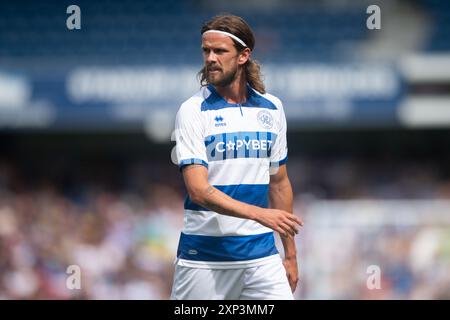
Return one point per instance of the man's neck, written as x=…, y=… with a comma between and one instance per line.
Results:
x=235, y=92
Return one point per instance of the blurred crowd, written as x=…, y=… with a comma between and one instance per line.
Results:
x=120, y=224
x=123, y=240
x=392, y=259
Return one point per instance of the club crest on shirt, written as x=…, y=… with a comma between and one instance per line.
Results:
x=265, y=119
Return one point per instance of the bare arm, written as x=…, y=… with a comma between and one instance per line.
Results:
x=205, y=195
x=280, y=196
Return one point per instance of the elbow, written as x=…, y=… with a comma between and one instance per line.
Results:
x=196, y=196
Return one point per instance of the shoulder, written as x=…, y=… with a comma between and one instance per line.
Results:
x=194, y=103
x=275, y=100
x=271, y=99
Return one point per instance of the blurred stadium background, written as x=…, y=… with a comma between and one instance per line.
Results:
x=86, y=176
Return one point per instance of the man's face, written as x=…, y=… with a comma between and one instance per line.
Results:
x=221, y=59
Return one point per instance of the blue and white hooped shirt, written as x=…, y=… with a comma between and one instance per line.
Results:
x=238, y=143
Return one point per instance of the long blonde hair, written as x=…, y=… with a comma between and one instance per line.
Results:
x=238, y=27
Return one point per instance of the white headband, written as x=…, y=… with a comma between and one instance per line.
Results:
x=228, y=34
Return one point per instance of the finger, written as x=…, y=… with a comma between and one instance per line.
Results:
x=292, y=225
x=281, y=231
x=288, y=229
x=296, y=219
x=291, y=222
x=299, y=221
x=293, y=285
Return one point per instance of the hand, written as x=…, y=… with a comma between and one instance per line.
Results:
x=290, y=264
x=279, y=220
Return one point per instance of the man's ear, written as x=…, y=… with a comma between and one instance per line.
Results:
x=244, y=56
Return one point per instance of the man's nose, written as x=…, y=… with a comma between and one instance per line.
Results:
x=211, y=57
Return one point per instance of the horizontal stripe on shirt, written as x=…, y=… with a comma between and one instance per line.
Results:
x=227, y=248
x=210, y=223
x=254, y=194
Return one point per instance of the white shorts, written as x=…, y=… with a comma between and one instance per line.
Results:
x=264, y=282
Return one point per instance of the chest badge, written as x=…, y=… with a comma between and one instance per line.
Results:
x=265, y=119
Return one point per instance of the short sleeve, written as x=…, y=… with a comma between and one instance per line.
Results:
x=189, y=137
x=279, y=153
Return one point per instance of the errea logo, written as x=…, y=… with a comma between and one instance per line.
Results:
x=219, y=121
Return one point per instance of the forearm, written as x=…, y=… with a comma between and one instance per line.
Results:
x=281, y=197
x=217, y=201
x=209, y=197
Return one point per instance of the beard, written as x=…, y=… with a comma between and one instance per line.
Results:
x=221, y=79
